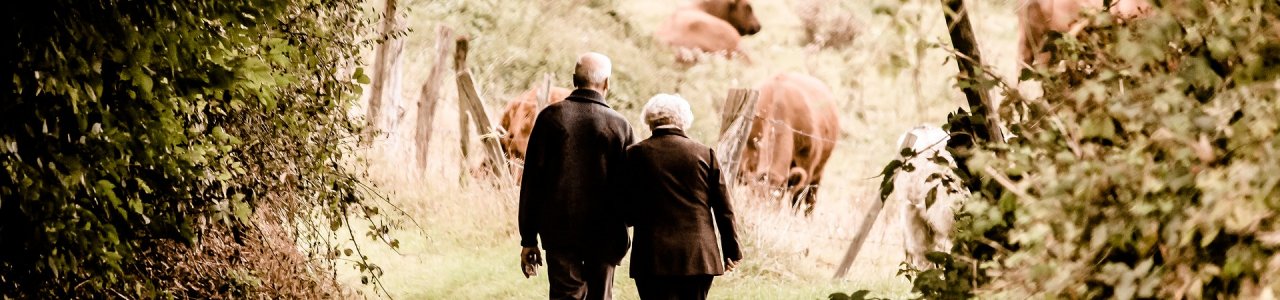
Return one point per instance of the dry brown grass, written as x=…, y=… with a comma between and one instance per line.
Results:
x=261, y=262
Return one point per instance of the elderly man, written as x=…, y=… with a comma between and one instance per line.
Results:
x=569, y=193
x=676, y=200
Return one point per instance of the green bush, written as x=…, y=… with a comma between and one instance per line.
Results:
x=1147, y=169
x=131, y=122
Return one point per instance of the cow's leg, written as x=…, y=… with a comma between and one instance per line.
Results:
x=796, y=186
x=821, y=153
x=808, y=198
x=780, y=159
x=749, y=168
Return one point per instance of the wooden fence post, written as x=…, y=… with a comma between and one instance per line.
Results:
x=735, y=127
x=388, y=56
x=470, y=103
x=464, y=125
x=544, y=94
x=431, y=95
x=868, y=221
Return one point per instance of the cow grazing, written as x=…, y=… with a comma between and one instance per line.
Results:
x=927, y=223
x=517, y=122
x=708, y=26
x=1038, y=18
x=792, y=135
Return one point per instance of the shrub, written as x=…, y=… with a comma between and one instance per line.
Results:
x=129, y=124
x=1146, y=170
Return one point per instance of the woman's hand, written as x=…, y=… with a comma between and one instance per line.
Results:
x=730, y=265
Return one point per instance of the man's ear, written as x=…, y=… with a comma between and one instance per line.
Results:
x=606, y=83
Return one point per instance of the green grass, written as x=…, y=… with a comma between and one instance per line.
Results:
x=467, y=245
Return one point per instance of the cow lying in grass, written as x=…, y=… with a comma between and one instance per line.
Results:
x=708, y=26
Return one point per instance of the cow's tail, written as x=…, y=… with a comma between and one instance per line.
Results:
x=801, y=191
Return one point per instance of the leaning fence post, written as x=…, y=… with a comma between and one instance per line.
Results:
x=470, y=104
x=868, y=221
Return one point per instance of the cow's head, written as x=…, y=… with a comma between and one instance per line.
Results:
x=515, y=126
x=738, y=13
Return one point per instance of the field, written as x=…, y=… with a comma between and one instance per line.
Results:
x=459, y=239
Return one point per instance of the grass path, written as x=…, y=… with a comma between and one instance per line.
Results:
x=470, y=246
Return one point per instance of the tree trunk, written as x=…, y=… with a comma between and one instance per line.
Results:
x=969, y=60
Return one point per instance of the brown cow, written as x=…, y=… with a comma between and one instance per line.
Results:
x=1037, y=18
x=792, y=136
x=712, y=26
x=517, y=122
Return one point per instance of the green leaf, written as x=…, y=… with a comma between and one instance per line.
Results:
x=930, y=198
x=360, y=76
x=1098, y=127
x=886, y=180
x=242, y=210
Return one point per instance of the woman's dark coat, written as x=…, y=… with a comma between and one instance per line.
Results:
x=676, y=199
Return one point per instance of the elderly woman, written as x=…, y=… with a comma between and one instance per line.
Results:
x=676, y=200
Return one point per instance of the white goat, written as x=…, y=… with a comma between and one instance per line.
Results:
x=928, y=223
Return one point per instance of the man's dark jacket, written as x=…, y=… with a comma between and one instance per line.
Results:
x=569, y=193
x=675, y=191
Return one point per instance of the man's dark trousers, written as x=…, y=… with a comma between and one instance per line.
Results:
x=572, y=277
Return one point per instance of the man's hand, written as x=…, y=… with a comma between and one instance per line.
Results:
x=530, y=260
x=730, y=264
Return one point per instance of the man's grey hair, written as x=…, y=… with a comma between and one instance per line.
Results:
x=666, y=110
x=597, y=67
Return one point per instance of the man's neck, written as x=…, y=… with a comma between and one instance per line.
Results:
x=602, y=92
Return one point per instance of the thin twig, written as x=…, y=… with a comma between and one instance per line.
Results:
x=376, y=278
x=387, y=200
x=1008, y=184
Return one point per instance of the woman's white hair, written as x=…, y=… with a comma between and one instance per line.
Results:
x=668, y=110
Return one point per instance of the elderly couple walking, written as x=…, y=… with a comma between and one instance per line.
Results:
x=585, y=181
